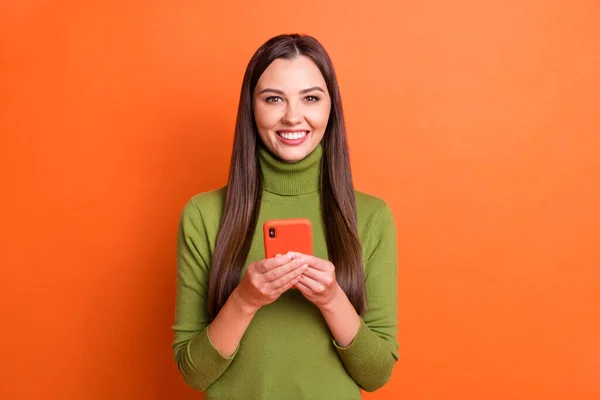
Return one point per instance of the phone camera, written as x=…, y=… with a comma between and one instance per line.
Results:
x=271, y=233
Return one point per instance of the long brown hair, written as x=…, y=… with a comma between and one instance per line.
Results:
x=243, y=199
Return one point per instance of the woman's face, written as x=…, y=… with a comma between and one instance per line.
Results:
x=291, y=107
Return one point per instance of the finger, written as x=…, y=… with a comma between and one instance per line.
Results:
x=270, y=263
x=313, y=285
x=305, y=290
x=278, y=272
x=316, y=275
x=288, y=285
x=312, y=261
x=288, y=280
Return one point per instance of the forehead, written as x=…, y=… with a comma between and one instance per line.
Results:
x=291, y=75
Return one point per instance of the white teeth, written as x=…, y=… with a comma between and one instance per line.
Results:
x=293, y=135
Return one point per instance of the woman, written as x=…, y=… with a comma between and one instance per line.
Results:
x=241, y=330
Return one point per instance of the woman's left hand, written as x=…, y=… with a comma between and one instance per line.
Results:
x=318, y=283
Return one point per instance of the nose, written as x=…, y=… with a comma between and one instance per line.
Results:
x=292, y=115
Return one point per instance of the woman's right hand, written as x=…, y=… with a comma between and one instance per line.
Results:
x=265, y=280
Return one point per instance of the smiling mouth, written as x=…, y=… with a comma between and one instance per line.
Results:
x=292, y=135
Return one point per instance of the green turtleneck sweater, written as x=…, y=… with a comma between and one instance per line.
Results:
x=288, y=351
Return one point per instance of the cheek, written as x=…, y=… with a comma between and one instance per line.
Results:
x=259, y=116
x=265, y=117
x=318, y=118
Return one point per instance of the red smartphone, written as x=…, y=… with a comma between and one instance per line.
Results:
x=283, y=235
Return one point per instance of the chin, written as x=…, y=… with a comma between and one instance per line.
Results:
x=292, y=156
x=285, y=153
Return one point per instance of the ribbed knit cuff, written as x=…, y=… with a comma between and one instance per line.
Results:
x=202, y=352
x=361, y=350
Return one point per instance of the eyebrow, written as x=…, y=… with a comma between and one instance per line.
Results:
x=303, y=91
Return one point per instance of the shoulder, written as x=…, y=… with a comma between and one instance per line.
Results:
x=206, y=206
x=210, y=201
x=369, y=207
x=375, y=222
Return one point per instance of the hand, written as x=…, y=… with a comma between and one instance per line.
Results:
x=317, y=283
x=265, y=280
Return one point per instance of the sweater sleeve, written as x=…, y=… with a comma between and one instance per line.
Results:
x=371, y=356
x=199, y=362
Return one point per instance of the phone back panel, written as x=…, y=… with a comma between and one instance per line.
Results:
x=293, y=234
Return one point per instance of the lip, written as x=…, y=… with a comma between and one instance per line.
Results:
x=292, y=130
x=292, y=142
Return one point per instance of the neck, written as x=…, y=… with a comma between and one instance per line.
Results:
x=290, y=179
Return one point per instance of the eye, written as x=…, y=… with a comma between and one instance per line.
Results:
x=274, y=99
x=312, y=99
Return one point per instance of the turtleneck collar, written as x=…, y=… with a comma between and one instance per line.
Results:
x=290, y=179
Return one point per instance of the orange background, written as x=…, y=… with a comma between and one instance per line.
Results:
x=477, y=121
